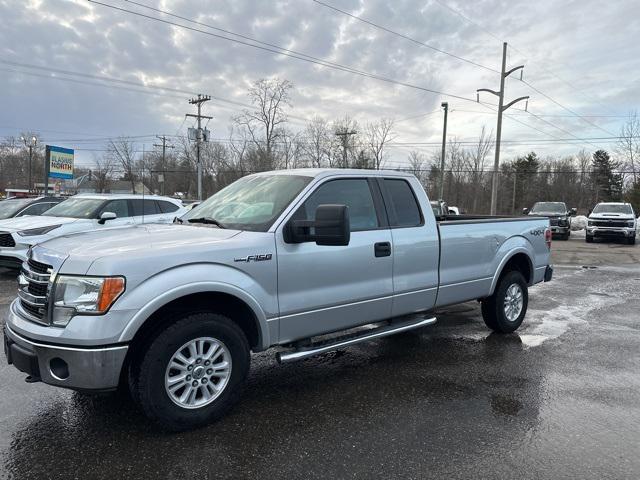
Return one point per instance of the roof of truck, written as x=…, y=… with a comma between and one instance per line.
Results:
x=322, y=172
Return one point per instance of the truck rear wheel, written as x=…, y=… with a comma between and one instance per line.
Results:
x=504, y=311
x=192, y=372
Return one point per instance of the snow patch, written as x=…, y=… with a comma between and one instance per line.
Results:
x=578, y=223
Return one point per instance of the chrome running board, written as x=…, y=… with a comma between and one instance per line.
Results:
x=352, y=339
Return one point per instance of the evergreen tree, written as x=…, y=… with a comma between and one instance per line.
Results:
x=607, y=183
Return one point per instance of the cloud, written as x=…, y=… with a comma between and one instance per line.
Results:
x=590, y=44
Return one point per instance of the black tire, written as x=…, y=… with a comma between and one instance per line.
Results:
x=589, y=238
x=493, y=308
x=148, y=371
x=565, y=236
x=631, y=240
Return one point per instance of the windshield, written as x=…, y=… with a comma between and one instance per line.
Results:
x=549, y=207
x=609, y=208
x=251, y=203
x=76, y=208
x=8, y=208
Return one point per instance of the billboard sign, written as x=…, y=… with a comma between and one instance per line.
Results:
x=60, y=162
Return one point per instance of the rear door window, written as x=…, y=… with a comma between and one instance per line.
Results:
x=144, y=207
x=405, y=211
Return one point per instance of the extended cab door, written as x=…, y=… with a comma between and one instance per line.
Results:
x=416, y=248
x=329, y=288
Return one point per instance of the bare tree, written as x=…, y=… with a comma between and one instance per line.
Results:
x=317, y=142
x=379, y=134
x=628, y=148
x=123, y=152
x=417, y=166
x=477, y=161
x=270, y=99
x=102, y=172
x=343, y=152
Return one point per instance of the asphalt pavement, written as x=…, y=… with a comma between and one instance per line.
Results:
x=558, y=399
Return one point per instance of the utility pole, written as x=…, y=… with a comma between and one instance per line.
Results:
x=444, y=105
x=515, y=178
x=198, y=102
x=501, y=108
x=164, y=149
x=344, y=137
x=33, y=141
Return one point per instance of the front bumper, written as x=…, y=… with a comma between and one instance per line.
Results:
x=77, y=368
x=560, y=230
x=621, y=232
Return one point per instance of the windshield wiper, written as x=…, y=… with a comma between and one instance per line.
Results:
x=207, y=221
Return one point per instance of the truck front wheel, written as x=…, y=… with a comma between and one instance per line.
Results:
x=192, y=372
x=504, y=311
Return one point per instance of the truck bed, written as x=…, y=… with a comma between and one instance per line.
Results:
x=472, y=247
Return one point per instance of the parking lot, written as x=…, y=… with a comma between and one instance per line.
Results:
x=558, y=399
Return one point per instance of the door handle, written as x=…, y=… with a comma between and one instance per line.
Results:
x=382, y=249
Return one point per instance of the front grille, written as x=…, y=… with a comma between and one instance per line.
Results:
x=609, y=223
x=34, y=288
x=6, y=240
x=554, y=222
x=38, y=267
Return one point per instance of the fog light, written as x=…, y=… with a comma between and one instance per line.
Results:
x=59, y=368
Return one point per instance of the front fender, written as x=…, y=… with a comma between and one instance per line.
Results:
x=506, y=252
x=197, y=278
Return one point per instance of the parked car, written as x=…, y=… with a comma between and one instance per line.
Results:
x=559, y=216
x=454, y=210
x=19, y=207
x=81, y=213
x=439, y=208
x=612, y=220
x=175, y=310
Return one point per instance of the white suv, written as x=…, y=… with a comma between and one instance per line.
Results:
x=612, y=220
x=78, y=214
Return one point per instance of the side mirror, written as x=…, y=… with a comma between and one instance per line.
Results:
x=589, y=212
x=574, y=212
x=330, y=227
x=525, y=211
x=107, y=216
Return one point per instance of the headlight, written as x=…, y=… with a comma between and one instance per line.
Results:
x=84, y=296
x=589, y=223
x=563, y=222
x=37, y=231
x=631, y=223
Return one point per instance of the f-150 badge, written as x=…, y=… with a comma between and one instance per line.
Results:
x=254, y=258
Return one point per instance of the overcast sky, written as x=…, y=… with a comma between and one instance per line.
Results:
x=585, y=55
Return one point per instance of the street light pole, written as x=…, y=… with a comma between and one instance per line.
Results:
x=444, y=105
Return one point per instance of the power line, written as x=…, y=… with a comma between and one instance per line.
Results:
x=406, y=37
x=477, y=25
x=305, y=58
x=542, y=67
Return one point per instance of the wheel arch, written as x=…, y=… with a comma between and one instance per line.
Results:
x=519, y=260
x=219, y=298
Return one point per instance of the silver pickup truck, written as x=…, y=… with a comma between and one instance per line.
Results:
x=302, y=260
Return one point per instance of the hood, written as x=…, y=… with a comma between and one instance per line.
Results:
x=140, y=239
x=28, y=222
x=548, y=214
x=610, y=216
